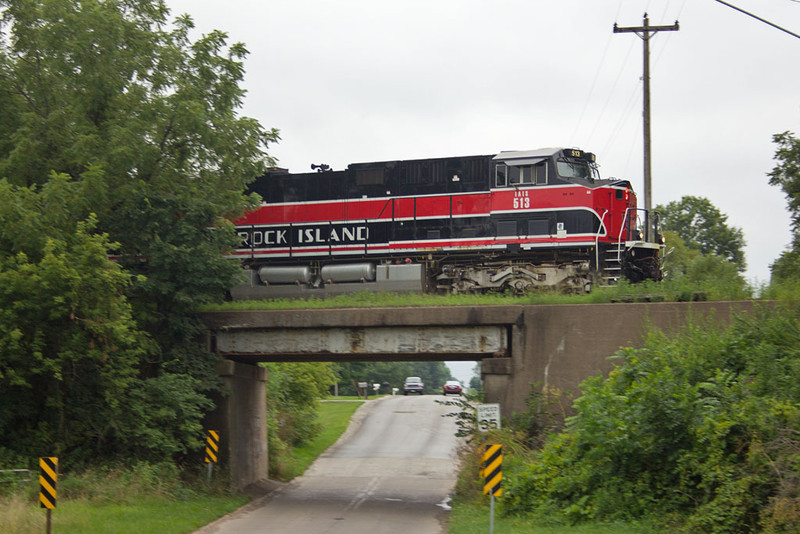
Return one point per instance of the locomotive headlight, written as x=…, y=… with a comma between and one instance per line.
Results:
x=640, y=234
x=661, y=239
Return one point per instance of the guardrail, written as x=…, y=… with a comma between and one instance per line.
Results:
x=15, y=476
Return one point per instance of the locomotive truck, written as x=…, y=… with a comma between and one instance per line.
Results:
x=513, y=221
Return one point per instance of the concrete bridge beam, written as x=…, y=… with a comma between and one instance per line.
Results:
x=340, y=343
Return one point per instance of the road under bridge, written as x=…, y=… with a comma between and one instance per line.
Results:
x=552, y=348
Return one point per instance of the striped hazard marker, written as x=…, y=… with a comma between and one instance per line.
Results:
x=48, y=474
x=212, y=447
x=492, y=463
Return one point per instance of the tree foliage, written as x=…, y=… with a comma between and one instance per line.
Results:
x=117, y=133
x=786, y=174
x=686, y=267
x=293, y=392
x=703, y=227
x=702, y=428
x=433, y=374
x=68, y=341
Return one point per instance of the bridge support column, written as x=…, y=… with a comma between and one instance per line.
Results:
x=241, y=417
x=496, y=374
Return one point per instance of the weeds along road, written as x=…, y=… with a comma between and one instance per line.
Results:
x=391, y=472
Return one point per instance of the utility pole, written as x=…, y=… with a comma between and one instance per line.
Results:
x=645, y=32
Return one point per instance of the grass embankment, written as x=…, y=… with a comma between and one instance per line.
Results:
x=146, y=499
x=146, y=515
x=122, y=502
x=474, y=519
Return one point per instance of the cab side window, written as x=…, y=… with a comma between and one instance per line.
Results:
x=506, y=175
x=519, y=174
x=540, y=173
x=500, y=172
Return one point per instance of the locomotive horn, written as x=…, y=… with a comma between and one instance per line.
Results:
x=322, y=167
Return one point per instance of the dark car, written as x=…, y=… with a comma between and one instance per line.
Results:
x=413, y=384
x=452, y=387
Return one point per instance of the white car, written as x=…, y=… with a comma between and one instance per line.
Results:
x=413, y=384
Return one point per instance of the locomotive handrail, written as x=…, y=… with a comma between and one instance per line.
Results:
x=597, y=240
x=624, y=224
x=389, y=201
x=621, y=229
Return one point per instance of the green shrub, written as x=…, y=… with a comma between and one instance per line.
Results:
x=702, y=426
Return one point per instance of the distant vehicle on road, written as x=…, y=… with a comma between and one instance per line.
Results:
x=452, y=387
x=413, y=384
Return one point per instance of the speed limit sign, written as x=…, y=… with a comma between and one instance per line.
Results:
x=488, y=417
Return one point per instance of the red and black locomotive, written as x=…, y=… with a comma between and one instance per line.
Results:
x=511, y=221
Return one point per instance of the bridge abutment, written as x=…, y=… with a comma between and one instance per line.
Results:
x=555, y=347
x=241, y=419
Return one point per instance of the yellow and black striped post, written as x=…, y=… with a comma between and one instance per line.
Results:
x=48, y=475
x=212, y=446
x=492, y=474
x=212, y=450
x=492, y=470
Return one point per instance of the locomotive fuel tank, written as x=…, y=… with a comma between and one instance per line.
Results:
x=348, y=272
x=285, y=274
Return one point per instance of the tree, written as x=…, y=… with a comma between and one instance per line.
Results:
x=691, y=270
x=703, y=227
x=475, y=383
x=68, y=342
x=786, y=174
x=144, y=123
x=433, y=374
x=679, y=256
x=293, y=392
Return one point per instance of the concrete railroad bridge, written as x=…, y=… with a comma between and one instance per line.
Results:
x=551, y=347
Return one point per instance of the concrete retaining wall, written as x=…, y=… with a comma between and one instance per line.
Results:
x=556, y=347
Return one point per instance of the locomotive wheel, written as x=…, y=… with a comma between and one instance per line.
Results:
x=518, y=286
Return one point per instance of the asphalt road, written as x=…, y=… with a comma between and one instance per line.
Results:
x=391, y=472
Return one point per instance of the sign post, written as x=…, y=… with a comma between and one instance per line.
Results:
x=48, y=475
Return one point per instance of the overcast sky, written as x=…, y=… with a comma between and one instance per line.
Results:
x=349, y=81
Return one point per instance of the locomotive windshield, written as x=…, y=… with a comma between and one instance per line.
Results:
x=570, y=168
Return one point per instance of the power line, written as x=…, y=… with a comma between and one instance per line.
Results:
x=758, y=18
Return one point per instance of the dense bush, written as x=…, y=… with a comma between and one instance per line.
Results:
x=702, y=428
x=293, y=393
